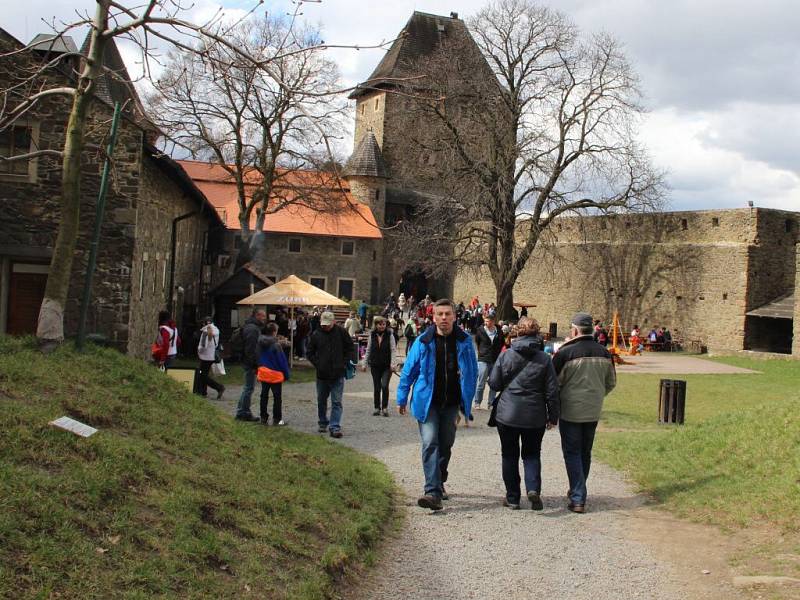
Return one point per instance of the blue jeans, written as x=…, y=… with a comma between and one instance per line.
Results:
x=243, y=408
x=483, y=375
x=510, y=438
x=438, y=434
x=335, y=389
x=576, y=444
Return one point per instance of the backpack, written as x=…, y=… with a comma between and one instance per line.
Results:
x=237, y=341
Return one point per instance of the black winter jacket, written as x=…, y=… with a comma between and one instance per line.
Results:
x=329, y=352
x=529, y=385
x=250, y=350
x=488, y=350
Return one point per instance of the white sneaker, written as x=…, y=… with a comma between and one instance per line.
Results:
x=280, y=423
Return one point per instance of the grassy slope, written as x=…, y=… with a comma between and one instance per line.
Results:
x=736, y=462
x=171, y=498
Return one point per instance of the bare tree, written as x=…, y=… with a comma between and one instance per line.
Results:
x=151, y=26
x=541, y=122
x=269, y=136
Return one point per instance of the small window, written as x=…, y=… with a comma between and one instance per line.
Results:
x=16, y=140
x=361, y=108
x=345, y=288
x=684, y=224
x=659, y=293
x=320, y=282
x=788, y=225
x=377, y=195
x=377, y=103
x=715, y=221
x=348, y=247
x=725, y=296
x=295, y=245
x=678, y=297
x=374, y=256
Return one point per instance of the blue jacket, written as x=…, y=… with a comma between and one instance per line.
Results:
x=419, y=371
x=272, y=355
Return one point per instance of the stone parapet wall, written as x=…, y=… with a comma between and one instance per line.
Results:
x=656, y=273
x=796, y=336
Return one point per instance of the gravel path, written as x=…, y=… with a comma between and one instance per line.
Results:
x=475, y=548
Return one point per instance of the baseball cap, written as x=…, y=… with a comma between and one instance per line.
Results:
x=582, y=319
x=327, y=318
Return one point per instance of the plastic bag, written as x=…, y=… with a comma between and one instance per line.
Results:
x=218, y=368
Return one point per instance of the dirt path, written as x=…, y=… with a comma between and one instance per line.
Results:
x=475, y=548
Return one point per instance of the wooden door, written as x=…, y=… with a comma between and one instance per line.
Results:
x=25, y=295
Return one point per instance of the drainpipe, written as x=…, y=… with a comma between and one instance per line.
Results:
x=172, y=257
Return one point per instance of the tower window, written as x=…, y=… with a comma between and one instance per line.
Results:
x=361, y=108
x=377, y=103
x=715, y=222
x=788, y=225
x=684, y=224
x=377, y=195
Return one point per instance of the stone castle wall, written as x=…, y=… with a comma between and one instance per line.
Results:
x=161, y=201
x=695, y=272
x=796, y=338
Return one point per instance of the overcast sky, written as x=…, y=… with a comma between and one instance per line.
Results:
x=721, y=79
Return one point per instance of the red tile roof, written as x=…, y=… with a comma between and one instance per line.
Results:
x=353, y=219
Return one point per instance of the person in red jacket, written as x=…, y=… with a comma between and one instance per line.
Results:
x=167, y=340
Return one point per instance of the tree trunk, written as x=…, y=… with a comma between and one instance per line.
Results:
x=505, y=299
x=50, y=327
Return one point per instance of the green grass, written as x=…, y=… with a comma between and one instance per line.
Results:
x=736, y=461
x=171, y=498
x=234, y=375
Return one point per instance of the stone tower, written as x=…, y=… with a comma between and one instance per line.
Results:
x=366, y=173
x=388, y=120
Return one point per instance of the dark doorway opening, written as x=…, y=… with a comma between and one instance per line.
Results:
x=25, y=295
x=413, y=283
x=768, y=334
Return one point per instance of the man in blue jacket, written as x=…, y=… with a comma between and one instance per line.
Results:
x=442, y=368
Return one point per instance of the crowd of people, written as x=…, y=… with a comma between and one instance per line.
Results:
x=452, y=354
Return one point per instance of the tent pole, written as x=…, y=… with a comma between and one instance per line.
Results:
x=291, y=338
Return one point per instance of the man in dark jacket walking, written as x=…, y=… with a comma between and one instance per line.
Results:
x=490, y=342
x=586, y=374
x=250, y=333
x=330, y=350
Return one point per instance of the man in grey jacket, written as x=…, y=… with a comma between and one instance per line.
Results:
x=586, y=374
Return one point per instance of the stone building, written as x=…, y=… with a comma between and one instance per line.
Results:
x=721, y=279
x=338, y=251
x=158, y=231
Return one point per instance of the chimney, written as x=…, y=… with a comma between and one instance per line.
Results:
x=454, y=15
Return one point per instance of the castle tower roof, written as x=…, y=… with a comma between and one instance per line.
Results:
x=419, y=38
x=367, y=159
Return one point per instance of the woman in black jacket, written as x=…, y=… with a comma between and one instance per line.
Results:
x=381, y=356
x=527, y=405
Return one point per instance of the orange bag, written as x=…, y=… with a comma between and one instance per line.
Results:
x=267, y=375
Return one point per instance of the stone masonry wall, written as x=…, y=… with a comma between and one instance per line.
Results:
x=796, y=336
x=161, y=201
x=30, y=210
x=370, y=111
x=690, y=271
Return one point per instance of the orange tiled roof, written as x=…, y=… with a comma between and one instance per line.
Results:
x=354, y=220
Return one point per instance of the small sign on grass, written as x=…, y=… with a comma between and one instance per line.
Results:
x=76, y=427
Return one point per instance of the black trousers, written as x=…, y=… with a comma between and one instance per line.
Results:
x=205, y=378
x=277, y=401
x=380, y=386
x=531, y=439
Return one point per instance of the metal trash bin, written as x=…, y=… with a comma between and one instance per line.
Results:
x=672, y=401
x=553, y=331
